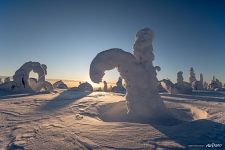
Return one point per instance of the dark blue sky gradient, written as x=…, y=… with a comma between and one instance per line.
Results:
x=66, y=35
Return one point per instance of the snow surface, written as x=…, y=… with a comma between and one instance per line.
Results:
x=70, y=119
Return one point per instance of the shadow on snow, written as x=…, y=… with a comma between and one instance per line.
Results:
x=62, y=100
x=198, y=133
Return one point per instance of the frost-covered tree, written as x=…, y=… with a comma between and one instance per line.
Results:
x=214, y=78
x=119, y=83
x=205, y=85
x=105, y=88
x=201, y=78
x=119, y=86
x=219, y=84
x=201, y=81
x=143, y=100
x=215, y=83
x=181, y=87
x=180, y=78
x=192, y=77
x=198, y=85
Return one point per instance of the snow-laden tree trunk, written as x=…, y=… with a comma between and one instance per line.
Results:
x=143, y=100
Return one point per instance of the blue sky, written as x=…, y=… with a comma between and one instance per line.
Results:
x=67, y=34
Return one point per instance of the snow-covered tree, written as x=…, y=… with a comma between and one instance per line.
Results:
x=215, y=83
x=180, y=78
x=192, y=77
x=105, y=88
x=201, y=78
x=143, y=100
x=119, y=83
x=214, y=78
x=205, y=85
x=198, y=85
x=219, y=84
x=119, y=86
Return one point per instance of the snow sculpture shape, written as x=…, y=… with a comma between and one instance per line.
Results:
x=119, y=83
x=86, y=87
x=198, y=85
x=161, y=89
x=21, y=81
x=180, y=78
x=192, y=77
x=60, y=84
x=181, y=87
x=21, y=76
x=169, y=86
x=105, y=88
x=143, y=100
x=215, y=84
x=205, y=85
x=119, y=86
x=201, y=78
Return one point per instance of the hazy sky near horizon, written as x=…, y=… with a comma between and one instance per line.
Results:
x=67, y=34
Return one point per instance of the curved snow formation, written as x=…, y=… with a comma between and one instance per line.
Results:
x=142, y=98
x=181, y=87
x=177, y=88
x=22, y=82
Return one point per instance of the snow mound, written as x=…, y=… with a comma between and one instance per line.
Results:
x=117, y=112
x=187, y=112
x=113, y=112
x=60, y=84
